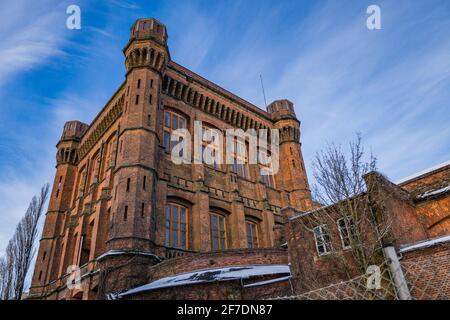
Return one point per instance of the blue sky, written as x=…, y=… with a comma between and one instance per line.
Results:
x=392, y=85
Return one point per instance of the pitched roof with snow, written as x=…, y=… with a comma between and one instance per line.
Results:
x=212, y=275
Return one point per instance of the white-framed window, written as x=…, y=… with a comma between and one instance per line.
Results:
x=346, y=227
x=322, y=238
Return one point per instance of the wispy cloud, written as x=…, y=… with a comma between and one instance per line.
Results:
x=125, y=4
x=30, y=35
x=391, y=85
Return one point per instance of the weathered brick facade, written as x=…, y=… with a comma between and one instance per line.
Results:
x=115, y=179
x=117, y=196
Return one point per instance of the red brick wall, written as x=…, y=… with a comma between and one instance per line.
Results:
x=428, y=272
x=227, y=290
x=222, y=290
x=210, y=260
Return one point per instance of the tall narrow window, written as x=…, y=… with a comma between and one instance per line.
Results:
x=252, y=234
x=125, y=213
x=176, y=226
x=172, y=122
x=144, y=182
x=265, y=172
x=128, y=184
x=139, y=83
x=151, y=99
x=346, y=231
x=218, y=232
x=44, y=255
x=137, y=99
x=209, y=137
x=322, y=238
x=240, y=159
x=40, y=275
x=151, y=83
x=143, y=210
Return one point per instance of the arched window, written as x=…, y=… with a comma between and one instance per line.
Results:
x=218, y=232
x=172, y=122
x=252, y=234
x=176, y=226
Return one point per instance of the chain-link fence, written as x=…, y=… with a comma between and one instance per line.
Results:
x=416, y=280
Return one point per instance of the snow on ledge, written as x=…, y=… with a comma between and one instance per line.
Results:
x=262, y=283
x=424, y=172
x=125, y=252
x=424, y=244
x=433, y=192
x=212, y=275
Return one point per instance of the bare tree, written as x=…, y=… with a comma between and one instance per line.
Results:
x=21, y=249
x=347, y=216
x=3, y=274
x=8, y=277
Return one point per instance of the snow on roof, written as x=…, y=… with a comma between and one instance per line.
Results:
x=212, y=275
x=434, y=192
x=123, y=252
x=302, y=214
x=262, y=283
x=424, y=244
x=424, y=172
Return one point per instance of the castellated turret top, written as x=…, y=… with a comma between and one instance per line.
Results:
x=74, y=129
x=281, y=109
x=149, y=29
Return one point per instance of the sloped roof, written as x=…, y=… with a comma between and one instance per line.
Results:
x=212, y=275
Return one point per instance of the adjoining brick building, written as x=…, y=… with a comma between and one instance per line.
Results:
x=120, y=206
x=139, y=226
x=416, y=214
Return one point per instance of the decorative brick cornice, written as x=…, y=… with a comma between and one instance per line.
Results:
x=95, y=135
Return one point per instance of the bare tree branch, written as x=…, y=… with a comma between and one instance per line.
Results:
x=21, y=249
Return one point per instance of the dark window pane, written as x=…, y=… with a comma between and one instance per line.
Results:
x=183, y=215
x=167, y=140
x=167, y=119
x=174, y=122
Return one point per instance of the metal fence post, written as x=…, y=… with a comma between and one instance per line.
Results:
x=397, y=273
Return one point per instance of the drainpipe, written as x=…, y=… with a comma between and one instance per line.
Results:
x=397, y=273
